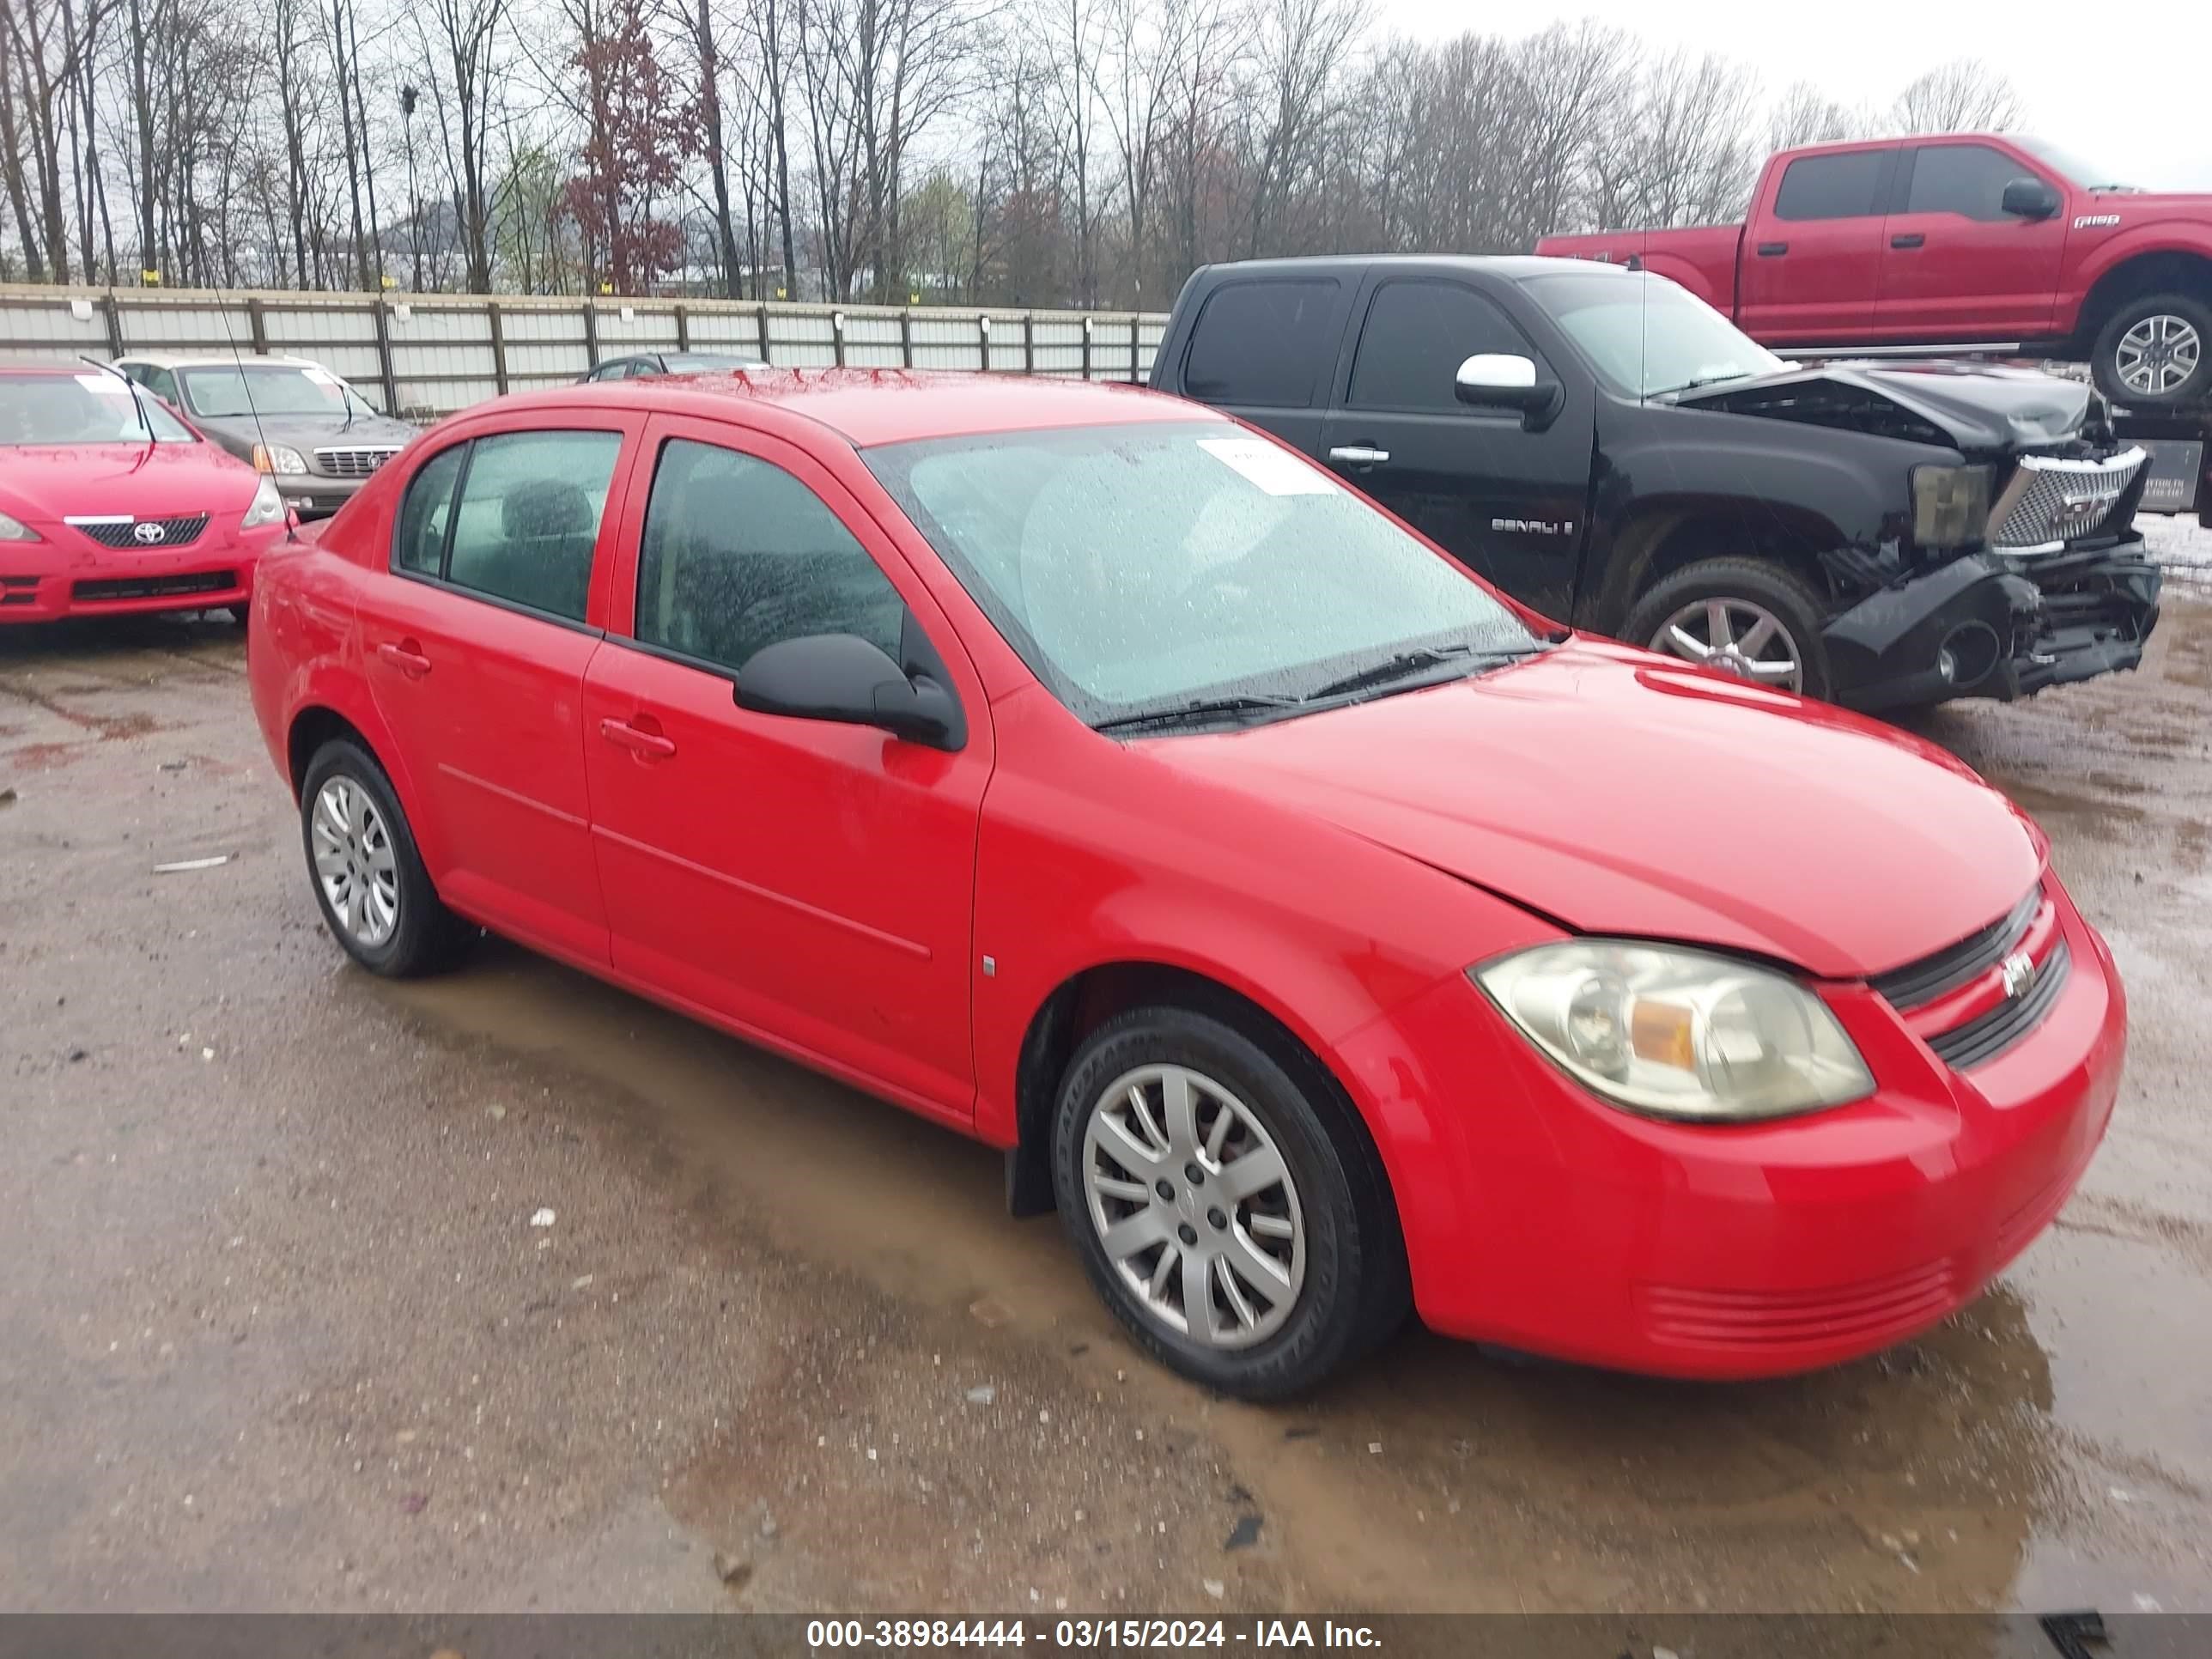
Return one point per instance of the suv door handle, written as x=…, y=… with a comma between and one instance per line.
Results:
x=1907, y=239
x=1358, y=455
x=623, y=735
x=1772, y=250
x=406, y=656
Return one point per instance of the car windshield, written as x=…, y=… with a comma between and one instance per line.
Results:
x=1644, y=336
x=2080, y=173
x=93, y=407
x=223, y=393
x=1141, y=568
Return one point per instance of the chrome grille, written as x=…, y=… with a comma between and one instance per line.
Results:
x=354, y=463
x=2049, y=502
x=145, y=535
x=1918, y=984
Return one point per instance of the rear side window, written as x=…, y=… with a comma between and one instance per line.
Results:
x=425, y=514
x=1261, y=344
x=1967, y=179
x=737, y=554
x=1831, y=187
x=527, y=517
x=1418, y=334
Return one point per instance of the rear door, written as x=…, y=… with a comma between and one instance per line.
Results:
x=1955, y=264
x=1505, y=501
x=1811, y=260
x=1263, y=347
x=475, y=649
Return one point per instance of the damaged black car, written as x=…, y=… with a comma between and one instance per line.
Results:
x=1616, y=453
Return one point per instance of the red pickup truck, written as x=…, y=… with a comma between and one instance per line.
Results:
x=1965, y=239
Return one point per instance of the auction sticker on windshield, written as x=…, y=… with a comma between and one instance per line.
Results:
x=1273, y=470
x=108, y=386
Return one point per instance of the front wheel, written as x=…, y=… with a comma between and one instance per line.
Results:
x=1746, y=617
x=2155, y=353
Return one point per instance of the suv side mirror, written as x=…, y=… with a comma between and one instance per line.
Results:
x=844, y=678
x=2029, y=198
x=1505, y=381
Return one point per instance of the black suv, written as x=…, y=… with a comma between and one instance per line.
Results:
x=1617, y=454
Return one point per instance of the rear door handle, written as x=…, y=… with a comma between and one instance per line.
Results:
x=623, y=735
x=1772, y=250
x=1907, y=239
x=1358, y=455
x=406, y=656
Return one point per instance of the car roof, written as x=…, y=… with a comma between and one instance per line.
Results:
x=218, y=359
x=867, y=406
x=1508, y=267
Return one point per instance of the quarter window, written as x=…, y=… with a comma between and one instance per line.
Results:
x=1418, y=334
x=738, y=554
x=425, y=513
x=1838, y=186
x=1262, y=345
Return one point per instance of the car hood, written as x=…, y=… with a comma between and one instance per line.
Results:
x=73, y=480
x=1976, y=409
x=1616, y=792
x=306, y=431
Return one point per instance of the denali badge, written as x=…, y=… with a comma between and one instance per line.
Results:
x=2019, y=974
x=148, y=533
x=1534, y=526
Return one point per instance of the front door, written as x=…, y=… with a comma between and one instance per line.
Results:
x=1955, y=264
x=811, y=883
x=1505, y=501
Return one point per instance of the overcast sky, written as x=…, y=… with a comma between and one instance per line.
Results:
x=2128, y=86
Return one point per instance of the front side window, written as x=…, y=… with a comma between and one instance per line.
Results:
x=1418, y=334
x=738, y=554
x=1840, y=186
x=524, y=524
x=1139, y=568
x=1262, y=345
x=1967, y=179
x=1644, y=336
x=88, y=406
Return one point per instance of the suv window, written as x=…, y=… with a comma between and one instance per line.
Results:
x=1967, y=179
x=528, y=517
x=1261, y=344
x=1831, y=187
x=1418, y=333
x=737, y=554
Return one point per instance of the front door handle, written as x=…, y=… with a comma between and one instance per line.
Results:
x=623, y=735
x=1907, y=239
x=1358, y=455
x=406, y=656
x=1772, y=250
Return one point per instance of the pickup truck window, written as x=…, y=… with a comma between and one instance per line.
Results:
x=1644, y=336
x=1838, y=186
x=1262, y=345
x=1418, y=333
x=1967, y=179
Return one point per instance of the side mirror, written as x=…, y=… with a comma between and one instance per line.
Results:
x=2029, y=198
x=844, y=678
x=1503, y=380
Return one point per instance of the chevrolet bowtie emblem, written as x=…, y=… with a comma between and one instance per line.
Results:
x=2019, y=974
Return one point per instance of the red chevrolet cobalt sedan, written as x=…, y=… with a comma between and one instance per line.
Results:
x=1316, y=931
x=109, y=503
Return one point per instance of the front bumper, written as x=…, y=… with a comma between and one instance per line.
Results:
x=1989, y=625
x=41, y=581
x=314, y=496
x=1537, y=1218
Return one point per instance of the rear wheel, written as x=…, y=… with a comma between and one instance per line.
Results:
x=376, y=896
x=2155, y=353
x=1746, y=617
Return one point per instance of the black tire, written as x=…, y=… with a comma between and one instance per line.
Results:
x=426, y=936
x=240, y=614
x=2104, y=355
x=1354, y=1290
x=1779, y=591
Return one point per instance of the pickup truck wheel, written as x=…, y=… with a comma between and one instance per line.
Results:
x=2155, y=353
x=1741, y=616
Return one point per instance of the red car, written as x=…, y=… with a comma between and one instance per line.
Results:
x=1314, y=928
x=109, y=502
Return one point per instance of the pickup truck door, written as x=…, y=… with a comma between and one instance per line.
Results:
x=1955, y=264
x=1263, y=348
x=1811, y=257
x=1505, y=501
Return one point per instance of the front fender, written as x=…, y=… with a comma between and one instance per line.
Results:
x=2158, y=236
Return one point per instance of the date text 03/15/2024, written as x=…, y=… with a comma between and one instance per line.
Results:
x=830, y=1634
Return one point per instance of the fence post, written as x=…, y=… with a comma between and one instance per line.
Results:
x=760, y=313
x=683, y=327
x=383, y=314
x=1087, y=321
x=591, y=332
x=257, y=322
x=983, y=328
x=1029, y=342
x=498, y=344
x=837, y=335
x=906, y=338
x=1136, y=342
x=114, y=314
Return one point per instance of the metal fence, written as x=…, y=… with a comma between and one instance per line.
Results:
x=421, y=356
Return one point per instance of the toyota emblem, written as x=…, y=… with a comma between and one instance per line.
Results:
x=148, y=534
x=2019, y=974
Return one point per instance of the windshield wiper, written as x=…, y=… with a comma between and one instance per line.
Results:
x=1702, y=380
x=1203, y=708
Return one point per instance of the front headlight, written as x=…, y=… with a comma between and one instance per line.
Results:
x=268, y=506
x=1950, y=505
x=1678, y=1034
x=15, y=529
x=279, y=458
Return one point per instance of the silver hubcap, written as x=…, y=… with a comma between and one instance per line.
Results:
x=2158, y=354
x=1737, y=637
x=1194, y=1205
x=355, y=862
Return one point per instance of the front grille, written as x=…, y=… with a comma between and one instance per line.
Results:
x=155, y=587
x=1895, y=1305
x=1918, y=984
x=2050, y=500
x=144, y=533
x=354, y=463
x=1987, y=1035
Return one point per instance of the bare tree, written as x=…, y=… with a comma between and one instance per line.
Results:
x=1964, y=95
